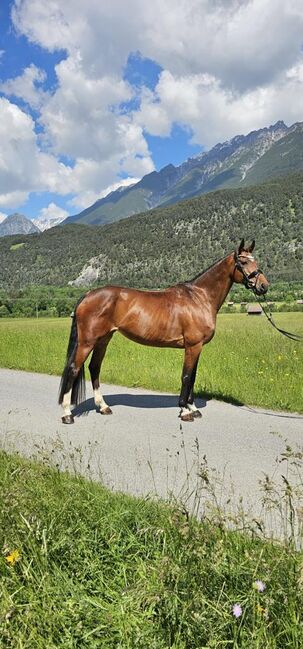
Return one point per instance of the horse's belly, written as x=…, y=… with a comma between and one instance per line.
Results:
x=152, y=340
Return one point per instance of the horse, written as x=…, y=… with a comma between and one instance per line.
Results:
x=181, y=316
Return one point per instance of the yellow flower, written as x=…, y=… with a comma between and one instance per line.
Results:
x=262, y=611
x=13, y=557
x=280, y=357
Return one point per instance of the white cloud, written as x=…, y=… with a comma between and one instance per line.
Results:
x=26, y=85
x=229, y=66
x=23, y=167
x=241, y=42
x=86, y=179
x=215, y=113
x=2, y=216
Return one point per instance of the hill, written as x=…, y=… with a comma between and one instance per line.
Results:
x=17, y=224
x=166, y=245
x=240, y=162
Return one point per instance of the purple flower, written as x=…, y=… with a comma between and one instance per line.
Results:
x=237, y=610
x=259, y=586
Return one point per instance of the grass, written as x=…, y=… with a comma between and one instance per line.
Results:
x=247, y=362
x=16, y=246
x=81, y=567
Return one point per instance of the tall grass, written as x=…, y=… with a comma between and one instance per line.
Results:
x=83, y=568
x=248, y=361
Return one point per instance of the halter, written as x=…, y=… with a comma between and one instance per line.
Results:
x=247, y=278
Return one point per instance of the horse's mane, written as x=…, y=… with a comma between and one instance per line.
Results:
x=202, y=272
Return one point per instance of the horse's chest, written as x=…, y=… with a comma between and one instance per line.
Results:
x=200, y=329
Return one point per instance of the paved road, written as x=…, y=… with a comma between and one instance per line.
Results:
x=143, y=448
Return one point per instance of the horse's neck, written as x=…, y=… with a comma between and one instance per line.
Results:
x=217, y=281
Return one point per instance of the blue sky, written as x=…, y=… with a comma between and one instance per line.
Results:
x=91, y=93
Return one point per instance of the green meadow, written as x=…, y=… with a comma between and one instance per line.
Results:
x=246, y=362
x=84, y=568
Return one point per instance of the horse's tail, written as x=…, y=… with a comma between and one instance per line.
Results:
x=78, y=386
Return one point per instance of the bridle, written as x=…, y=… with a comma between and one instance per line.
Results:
x=248, y=277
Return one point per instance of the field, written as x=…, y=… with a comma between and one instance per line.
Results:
x=247, y=361
x=83, y=568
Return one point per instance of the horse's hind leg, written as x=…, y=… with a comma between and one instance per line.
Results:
x=94, y=368
x=73, y=371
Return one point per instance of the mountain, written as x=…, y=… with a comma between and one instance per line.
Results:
x=47, y=222
x=240, y=162
x=167, y=244
x=17, y=224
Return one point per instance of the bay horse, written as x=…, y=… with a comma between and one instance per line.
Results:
x=181, y=316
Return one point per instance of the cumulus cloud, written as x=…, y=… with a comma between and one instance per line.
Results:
x=215, y=113
x=242, y=42
x=26, y=86
x=229, y=66
x=23, y=167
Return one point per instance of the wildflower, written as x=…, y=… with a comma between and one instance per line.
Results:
x=237, y=610
x=259, y=586
x=280, y=357
x=13, y=557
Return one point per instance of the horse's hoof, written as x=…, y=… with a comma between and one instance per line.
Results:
x=197, y=414
x=187, y=417
x=106, y=411
x=67, y=419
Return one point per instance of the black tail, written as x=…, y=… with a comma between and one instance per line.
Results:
x=78, y=386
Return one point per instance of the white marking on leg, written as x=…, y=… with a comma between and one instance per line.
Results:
x=66, y=403
x=192, y=407
x=99, y=401
x=185, y=411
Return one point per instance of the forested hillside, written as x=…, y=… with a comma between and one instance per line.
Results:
x=166, y=245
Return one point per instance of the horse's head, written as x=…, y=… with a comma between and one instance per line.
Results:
x=247, y=272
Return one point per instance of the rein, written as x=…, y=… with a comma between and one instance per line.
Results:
x=270, y=319
x=251, y=285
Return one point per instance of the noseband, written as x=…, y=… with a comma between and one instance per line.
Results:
x=247, y=278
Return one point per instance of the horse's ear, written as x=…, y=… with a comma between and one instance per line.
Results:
x=252, y=245
x=241, y=247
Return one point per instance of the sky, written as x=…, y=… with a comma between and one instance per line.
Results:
x=96, y=94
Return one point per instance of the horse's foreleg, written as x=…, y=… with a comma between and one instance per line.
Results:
x=94, y=368
x=188, y=377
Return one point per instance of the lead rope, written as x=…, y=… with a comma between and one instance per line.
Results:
x=270, y=319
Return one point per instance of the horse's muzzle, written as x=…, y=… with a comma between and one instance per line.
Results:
x=261, y=289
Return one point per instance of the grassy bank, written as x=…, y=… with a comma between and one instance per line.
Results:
x=84, y=568
x=248, y=361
